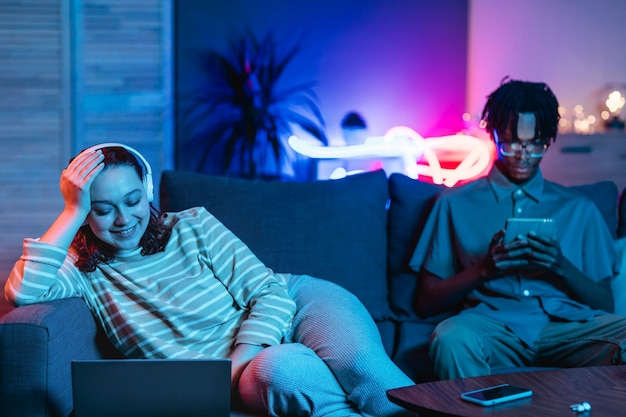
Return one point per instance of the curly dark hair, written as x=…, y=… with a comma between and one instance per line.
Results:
x=513, y=97
x=91, y=250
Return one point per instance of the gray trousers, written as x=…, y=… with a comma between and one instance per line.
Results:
x=332, y=362
x=469, y=345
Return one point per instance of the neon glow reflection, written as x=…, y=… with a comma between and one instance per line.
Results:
x=432, y=157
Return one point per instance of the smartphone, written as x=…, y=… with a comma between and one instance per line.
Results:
x=517, y=226
x=496, y=395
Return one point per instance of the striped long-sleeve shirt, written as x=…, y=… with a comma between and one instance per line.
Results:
x=203, y=295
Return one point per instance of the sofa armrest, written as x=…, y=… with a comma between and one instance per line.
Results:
x=37, y=344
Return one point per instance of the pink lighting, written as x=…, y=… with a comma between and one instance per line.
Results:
x=447, y=160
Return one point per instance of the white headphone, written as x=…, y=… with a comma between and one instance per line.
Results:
x=147, y=179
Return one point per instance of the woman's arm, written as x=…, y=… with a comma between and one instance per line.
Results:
x=240, y=358
x=253, y=286
x=35, y=273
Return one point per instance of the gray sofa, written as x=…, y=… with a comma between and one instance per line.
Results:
x=356, y=231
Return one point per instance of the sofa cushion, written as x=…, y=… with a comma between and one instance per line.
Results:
x=410, y=203
x=605, y=196
x=412, y=351
x=332, y=229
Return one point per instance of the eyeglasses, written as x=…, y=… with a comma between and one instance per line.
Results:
x=535, y=149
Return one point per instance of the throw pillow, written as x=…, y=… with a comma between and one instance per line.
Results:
x=604, y=195
x=411, y=201
x=331, y=229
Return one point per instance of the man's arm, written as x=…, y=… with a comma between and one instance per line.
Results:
x=544, y=251
x=436, y=295
x=595, y=294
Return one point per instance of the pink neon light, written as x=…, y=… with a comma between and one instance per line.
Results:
x=447, y=160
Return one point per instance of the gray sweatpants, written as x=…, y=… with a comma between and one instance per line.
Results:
x=332, y=362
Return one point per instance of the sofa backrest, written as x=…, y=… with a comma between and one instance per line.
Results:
x=338, y=230
x=332, y=229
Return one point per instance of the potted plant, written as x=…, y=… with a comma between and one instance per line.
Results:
x=243, y=117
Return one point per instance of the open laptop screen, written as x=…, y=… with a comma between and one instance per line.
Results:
x=151, y=387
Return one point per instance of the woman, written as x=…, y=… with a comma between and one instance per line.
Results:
x=181, y=285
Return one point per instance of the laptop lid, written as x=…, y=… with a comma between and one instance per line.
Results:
x=151, y=387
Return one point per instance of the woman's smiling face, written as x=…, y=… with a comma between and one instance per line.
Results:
x=120, y=210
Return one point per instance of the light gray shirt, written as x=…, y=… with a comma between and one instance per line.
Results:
x=463, y=221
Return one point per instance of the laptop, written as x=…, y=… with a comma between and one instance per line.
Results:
x=151, y=388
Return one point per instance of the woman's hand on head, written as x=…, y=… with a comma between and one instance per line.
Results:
x=76, y=181
x=75, y=186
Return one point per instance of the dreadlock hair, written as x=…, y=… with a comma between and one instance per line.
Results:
x=91, y=251
x=514, y=97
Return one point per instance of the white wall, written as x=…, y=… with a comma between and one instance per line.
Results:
x=576, y=46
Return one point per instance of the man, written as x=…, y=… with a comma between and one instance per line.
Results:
x=535, y=300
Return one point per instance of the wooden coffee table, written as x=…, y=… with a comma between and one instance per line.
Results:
x=604, y=387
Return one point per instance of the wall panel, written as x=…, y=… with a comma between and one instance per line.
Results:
x=122, y=72
x=33, y=124
x=74, y=73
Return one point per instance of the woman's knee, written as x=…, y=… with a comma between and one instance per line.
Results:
x=290, y=379
x=280, y=365
x=323, y=305
x=308, y=289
